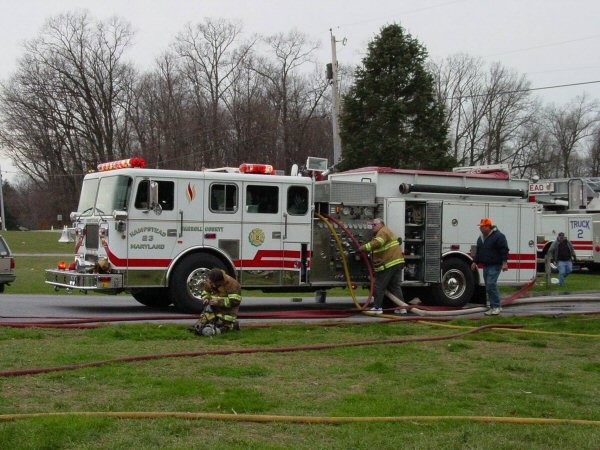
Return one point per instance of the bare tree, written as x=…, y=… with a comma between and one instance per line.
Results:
x=294, y=97
x=534, y=152
x=163, y=116
x=212, y=54
x=569, y=126
x=508, y=108
x=64, y=108
x=594, y=153
x=253, y=117
x=460, y=86
x=491, y=117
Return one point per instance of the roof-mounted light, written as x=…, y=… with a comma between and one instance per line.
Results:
x=122, y=164
x=265, y=169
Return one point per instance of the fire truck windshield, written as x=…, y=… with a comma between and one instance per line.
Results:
x=104, y=195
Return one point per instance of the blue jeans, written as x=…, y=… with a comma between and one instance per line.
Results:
x=490, y=277
x=564, y=269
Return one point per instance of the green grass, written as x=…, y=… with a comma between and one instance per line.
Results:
x=493, y=373
x=37, y=242
x=496, y=373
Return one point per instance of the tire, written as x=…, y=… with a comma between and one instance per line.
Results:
x=1, y=287
x=152, y=297
x=457, y=286
x=187, y=282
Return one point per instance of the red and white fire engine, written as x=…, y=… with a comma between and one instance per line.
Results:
x=155, y=233
x=571, y=206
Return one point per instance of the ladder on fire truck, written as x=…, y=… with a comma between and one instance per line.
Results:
x=578, y=193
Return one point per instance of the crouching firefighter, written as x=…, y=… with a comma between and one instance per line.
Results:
x=222, y=295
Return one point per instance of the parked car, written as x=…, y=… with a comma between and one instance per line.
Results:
x=7, y=265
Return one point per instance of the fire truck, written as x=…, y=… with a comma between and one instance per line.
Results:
x=571, y=206
x=156, y=233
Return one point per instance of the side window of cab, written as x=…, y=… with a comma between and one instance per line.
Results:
x=223, y=197
x=166, y=195
x=297, y=200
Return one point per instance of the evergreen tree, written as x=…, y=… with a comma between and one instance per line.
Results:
x=390, y=115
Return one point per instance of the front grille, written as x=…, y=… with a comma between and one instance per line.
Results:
x=91, y=236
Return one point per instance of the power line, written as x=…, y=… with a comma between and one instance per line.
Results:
x=528, y=89
x=559, y=86
x=552, y=44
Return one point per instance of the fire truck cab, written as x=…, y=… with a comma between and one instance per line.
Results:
x=156, y=233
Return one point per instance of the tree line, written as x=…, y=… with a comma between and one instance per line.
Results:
x=217, y=97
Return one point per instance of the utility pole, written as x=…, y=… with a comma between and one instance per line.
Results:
x=335, y=95
x=2, y=203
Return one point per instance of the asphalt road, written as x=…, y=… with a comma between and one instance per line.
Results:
x=32, y=308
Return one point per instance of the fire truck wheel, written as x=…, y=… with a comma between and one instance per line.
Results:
x=187, y=281
x=457, y=286
x=153, y=297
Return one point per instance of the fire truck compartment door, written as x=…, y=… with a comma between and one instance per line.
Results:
x=517, y=222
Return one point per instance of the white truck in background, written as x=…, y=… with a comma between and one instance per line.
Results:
x=571, y=206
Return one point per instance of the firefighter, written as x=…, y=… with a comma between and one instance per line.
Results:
x=388, y=262
x=222, y=295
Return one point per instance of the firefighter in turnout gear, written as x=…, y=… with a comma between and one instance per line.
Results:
x=388, y=262
x=222, y=295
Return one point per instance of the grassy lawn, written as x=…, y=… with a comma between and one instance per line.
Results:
x=492, y=373
x=549, y=369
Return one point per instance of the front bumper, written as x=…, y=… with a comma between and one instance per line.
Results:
x=69, y=279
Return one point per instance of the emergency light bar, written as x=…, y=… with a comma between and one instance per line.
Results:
x=265, y=169
x=122, y=164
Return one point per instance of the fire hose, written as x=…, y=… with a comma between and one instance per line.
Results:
x=403, y=340
x=269, y=418
x=423, y=312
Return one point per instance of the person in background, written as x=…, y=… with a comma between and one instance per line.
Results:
x=562, y=253
x=222, y=294
x=388, y=262
x=492, y=253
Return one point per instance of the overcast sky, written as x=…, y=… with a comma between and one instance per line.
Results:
x=552, y=42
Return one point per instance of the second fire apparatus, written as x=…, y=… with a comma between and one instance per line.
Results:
x=571, y=206
x=156, y=233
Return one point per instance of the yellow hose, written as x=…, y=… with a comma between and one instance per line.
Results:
x=521, y=330
x=295, y=419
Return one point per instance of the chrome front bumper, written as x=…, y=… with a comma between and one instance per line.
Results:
x=69, y=279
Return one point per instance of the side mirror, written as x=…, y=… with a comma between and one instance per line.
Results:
x=154, y=205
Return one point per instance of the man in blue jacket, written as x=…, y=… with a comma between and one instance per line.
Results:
x=492, y=253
